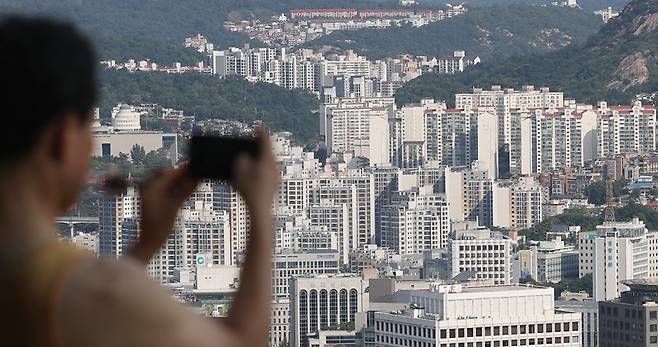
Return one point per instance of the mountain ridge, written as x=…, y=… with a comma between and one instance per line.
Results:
x=614, y=64
x=486, y=32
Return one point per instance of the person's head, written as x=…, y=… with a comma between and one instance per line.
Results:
x=47, y=94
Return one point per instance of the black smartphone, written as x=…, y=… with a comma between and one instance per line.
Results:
x=214, y=156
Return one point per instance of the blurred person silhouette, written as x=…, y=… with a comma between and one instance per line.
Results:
x=56, y=295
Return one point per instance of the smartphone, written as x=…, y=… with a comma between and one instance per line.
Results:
x=213, y=157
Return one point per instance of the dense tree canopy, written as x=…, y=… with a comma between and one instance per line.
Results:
x=205, y=96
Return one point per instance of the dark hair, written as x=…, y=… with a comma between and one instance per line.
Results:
x=48, y=70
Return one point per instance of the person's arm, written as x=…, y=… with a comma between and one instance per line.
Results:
x=257, y=182
x=161, y=198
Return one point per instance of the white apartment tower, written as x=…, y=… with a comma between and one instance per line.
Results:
x=625, y=129
x=358, y=126
x=469, y=193
x=198, y=230
x=546, y=139
x=226, y=198
x=500, y=101
x=415, y=221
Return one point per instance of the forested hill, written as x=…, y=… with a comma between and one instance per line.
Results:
x=206, y=96
x=156, y=28
x=490, y=32
x=615, y=64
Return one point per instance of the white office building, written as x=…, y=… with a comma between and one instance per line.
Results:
x=324, y=301
x=486, y=253
x=554, y=261
x=290, y=264
x=498, y=316
x=622, y=251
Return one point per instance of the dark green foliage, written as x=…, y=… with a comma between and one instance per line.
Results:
x=573, y=285
x=596, y=192
x=156, y=29
x=583, y=71
x=153, y=122
x=487, y=32
x=137, y=154
x=205, y=96
x=646, y=214
x=587, y=220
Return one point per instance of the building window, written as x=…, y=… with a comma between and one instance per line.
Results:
x=324, y=308
x=313, y=310
x=303, y=312
x=342, y=303
x=353, y=304
x=333, y=307
x=106, y=150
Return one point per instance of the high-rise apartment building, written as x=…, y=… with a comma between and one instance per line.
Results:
x=517, y=203
x=118, y=222
x=198, y=230
x=415, y=221
x=429, y=132
x=469, y=193
x=357, y=126
x=542, y=140
x=226, y=198
x=500, y=101
x=625, y=129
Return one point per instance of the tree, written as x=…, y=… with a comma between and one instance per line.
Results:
x=573, y=285
x=155, y=160
x=137, y=154
x=596, y=193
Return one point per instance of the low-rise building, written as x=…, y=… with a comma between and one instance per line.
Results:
x=479, y=316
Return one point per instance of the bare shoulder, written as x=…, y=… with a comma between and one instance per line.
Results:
x=110, y=303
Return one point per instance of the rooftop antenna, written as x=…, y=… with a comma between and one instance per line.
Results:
x=609, y=215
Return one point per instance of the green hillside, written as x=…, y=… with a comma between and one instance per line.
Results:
x=488, y=32
x=206, y=96
x=129, y=28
